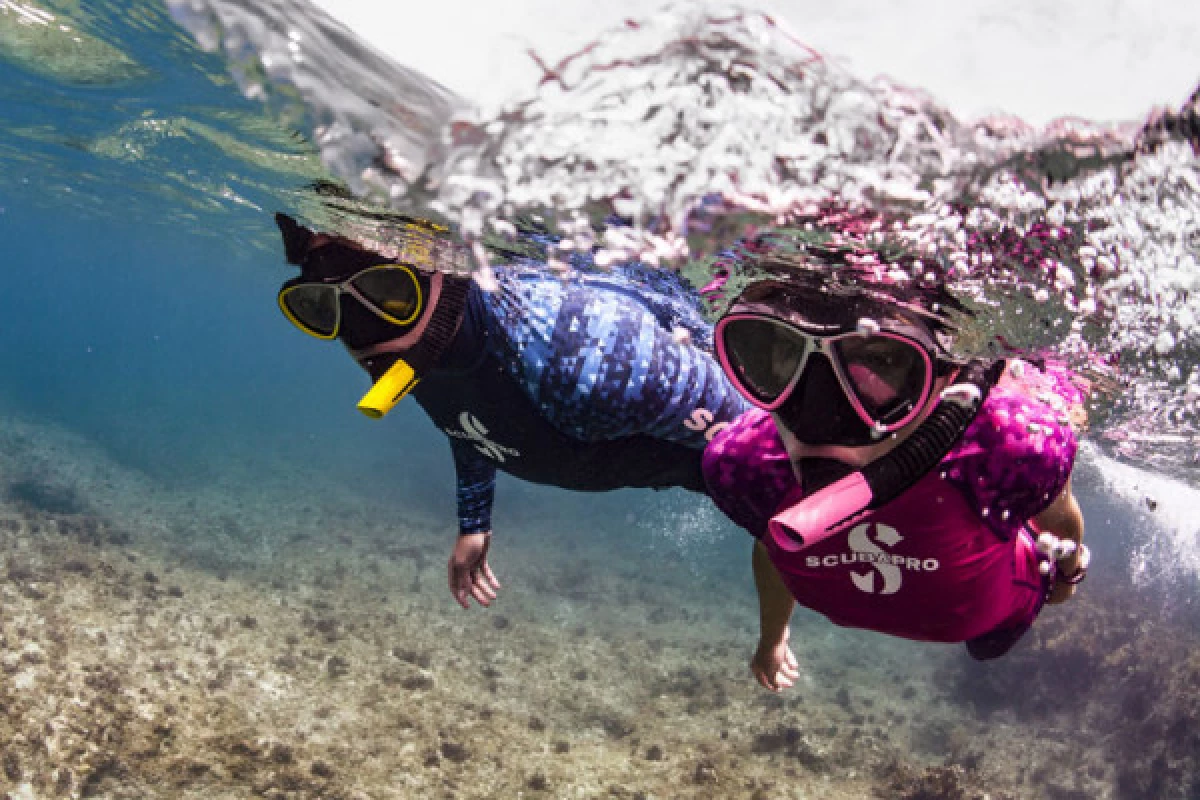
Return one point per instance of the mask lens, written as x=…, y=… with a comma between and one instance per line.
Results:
x=888, y=375
x=394, y=292
x=764, y=356
x=313, y=308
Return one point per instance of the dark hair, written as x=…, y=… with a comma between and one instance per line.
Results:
x=344, y=235
x=857, y=252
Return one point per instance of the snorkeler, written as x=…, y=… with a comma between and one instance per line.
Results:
x=890, y=485
x=591, y=383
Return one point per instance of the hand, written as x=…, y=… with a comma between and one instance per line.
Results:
x=469, y=573
x=775, y=665
x=1065, y=555
x=1061, y=593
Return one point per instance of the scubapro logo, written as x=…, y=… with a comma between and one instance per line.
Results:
x=865, y=549
x=475, y=432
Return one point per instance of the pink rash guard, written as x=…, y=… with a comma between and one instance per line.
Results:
x=952, y=559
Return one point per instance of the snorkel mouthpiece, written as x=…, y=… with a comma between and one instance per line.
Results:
x=834, y=508
x=818, y=516
x=389, y=390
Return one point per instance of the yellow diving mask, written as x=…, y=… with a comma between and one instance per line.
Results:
x=392, y=292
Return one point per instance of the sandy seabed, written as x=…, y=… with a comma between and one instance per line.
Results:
x=250, y=638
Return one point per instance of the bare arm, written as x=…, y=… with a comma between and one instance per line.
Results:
x=774, y=665
x=775, y=602
x=1064, y=519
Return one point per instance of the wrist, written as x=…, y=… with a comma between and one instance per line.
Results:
x=1072, y=570
x=772, y=636
x=468, y=525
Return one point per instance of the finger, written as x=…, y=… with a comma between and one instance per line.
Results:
x=790, y=659
x=480, y=597
x=484, y=574
x=481, y=585
x=763, y=680
x=1061, y=594
x=783, y=681
x=460, y=577
x=790, y=671
x=459, y=572
x=459, y=583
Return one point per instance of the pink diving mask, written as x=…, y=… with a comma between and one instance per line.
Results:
x=841, y=370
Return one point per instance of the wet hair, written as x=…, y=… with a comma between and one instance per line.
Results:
x=322, y=257
x=872, y=258
x=349, y=234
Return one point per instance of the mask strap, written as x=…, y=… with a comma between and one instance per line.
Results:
x=424, y=346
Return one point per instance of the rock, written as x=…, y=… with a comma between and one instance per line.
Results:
x=705, y=772
x=453, y=751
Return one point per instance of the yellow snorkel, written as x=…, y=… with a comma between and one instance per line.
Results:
x=389, y=390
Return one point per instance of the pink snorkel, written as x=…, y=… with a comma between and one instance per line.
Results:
x=839, y=505
x=821, y=514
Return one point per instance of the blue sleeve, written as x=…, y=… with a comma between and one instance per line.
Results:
x=602, y=364
x=476, y=488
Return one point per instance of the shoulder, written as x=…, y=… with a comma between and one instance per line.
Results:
x=749, y=441
x=1027, y=417
x=521, y=306
x=1015, y=458
x=747, y=470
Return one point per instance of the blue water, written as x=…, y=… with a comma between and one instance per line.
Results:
x=142, y=297
x=141, y=264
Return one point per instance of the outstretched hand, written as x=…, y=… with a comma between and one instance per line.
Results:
x=775, y=665
x=468, y=570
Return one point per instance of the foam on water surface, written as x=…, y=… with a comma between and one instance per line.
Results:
x=653, y=120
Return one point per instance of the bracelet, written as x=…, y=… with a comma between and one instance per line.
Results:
x=1076, y=577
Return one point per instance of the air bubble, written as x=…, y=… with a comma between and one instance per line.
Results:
x=1164, y=343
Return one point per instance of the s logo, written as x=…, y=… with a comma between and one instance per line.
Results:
x=701, y=419
x=860, y=542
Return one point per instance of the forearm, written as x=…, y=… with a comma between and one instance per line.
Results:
x=775, y=602
x=1064, y=519
x=475, y=491
x=475, y=506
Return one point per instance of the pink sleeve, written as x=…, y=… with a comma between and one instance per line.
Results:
x=747, y=471
x=1014, y=459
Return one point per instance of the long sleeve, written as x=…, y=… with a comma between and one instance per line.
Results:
x=601, y=364
x=476, y=487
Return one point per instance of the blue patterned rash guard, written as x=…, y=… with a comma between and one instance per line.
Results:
x=584, y=384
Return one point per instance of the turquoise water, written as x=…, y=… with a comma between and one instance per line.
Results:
x=221, y=581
